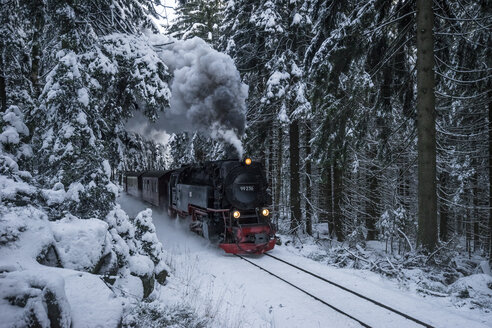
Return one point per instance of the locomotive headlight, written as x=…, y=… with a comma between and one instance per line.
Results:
x=236, y=214
x=247, y=161
x=265, y=212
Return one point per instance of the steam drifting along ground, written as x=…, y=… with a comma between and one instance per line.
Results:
x=237, y=294
x=207, y=93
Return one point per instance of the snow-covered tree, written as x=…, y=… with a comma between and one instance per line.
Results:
x=71, y=74
x=199, y=18
x=94, y=84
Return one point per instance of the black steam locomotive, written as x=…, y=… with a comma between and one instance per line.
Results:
x=227, y=200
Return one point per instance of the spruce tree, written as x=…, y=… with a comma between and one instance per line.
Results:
x=97, y=79
x=200, y=18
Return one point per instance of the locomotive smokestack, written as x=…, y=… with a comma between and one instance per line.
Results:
x=207, y=95
x=231, y=152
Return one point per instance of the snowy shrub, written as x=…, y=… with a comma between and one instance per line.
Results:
x=137, y=247
x=10, y=227
x=12, y=132
x=393, y=223
x=477, y=287
x=148, y=262
x=155, y=315
x=357, y=236
x=146, y=237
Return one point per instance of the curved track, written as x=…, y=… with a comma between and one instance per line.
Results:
x=364, y=310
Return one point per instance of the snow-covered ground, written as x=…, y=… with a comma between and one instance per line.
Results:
x=233, y=293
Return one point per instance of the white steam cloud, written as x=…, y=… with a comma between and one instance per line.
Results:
x=207, y=95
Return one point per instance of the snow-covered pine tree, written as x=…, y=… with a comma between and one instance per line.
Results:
x=267, y=40
x=71, y=73
x=199, y=18
x=94, y=83
x=463, y=135
x=135, y=153
x=15, y=101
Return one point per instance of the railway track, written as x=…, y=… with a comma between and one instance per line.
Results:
x=353, y=305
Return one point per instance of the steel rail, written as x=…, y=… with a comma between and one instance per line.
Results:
x=355, y=293
x=306, y=292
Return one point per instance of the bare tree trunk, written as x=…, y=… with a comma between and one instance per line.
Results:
x=309, y=210
x=330, y=199
x=337, y=200
x=327, y=196
x=295, y=200
x=475, y=219
x=278, y=182
x=443, y=210
x=372, y=207
x=3, y=85
x=427, y=199
x=490, y=172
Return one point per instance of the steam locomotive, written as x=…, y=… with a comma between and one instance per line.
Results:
x=227, y=200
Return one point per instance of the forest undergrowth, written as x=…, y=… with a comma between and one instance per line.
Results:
x=450, y=272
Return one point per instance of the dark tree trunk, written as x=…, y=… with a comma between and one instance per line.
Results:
x=475, y=219
x=443, y=209
x=337, y=200
x=295, y=200
x=327, y=197
x=278, y=183
x=36, y=48
x=372, y=208
x=427, y=199
x=490, y=172
x=309, y=210
x=3, y=85
x=271, y=175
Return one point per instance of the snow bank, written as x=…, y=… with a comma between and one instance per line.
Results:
x=81, y=273
x=28, y=298
x=93, y=302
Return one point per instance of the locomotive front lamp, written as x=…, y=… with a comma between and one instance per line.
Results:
x=236, y=214
x=265, y=212
x=247, y=161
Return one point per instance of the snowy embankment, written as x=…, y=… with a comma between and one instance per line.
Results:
x=230, y=292
x=69, y=295
x=73, y=272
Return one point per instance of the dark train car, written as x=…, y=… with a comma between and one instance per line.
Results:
x=133, y=184
x=154, y=187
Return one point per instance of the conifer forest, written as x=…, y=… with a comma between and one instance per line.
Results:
x=371, y=122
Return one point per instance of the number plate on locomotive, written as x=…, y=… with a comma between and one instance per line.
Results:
x=247, y=188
